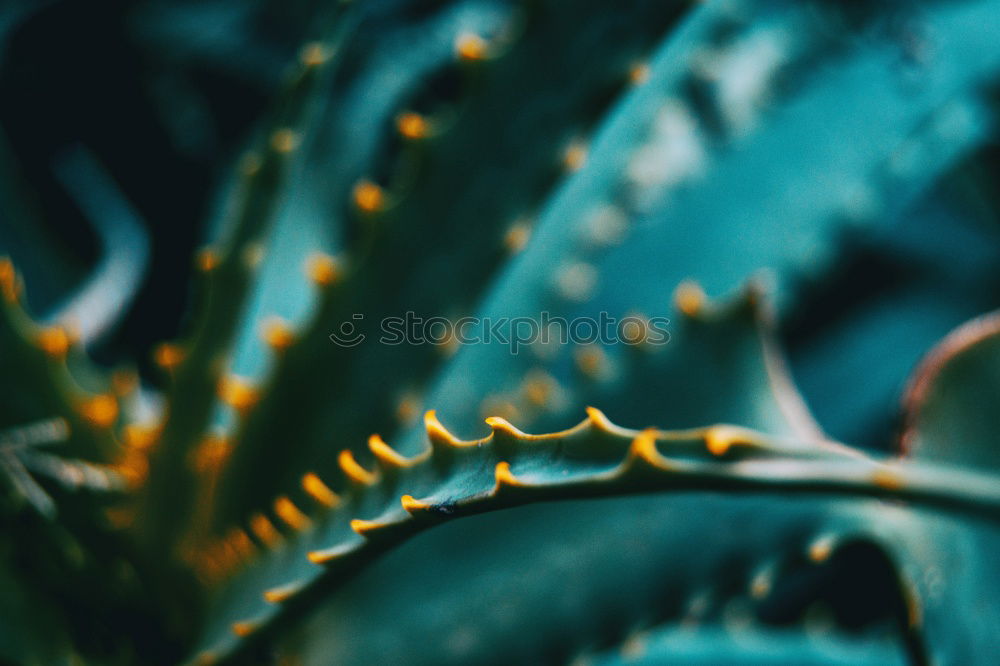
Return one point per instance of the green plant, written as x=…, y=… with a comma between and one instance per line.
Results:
x=526, y=158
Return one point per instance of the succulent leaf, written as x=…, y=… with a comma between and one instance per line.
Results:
x=809, y=183
x=952, y=398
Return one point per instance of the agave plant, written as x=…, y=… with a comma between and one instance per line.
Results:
x=783, y=205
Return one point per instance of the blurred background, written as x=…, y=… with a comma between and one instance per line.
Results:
x=120, y=122
x=850, y=148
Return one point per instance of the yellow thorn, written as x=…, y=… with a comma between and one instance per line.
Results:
x=410, y=504
x=368, y=197
x=277, y=595
x=362, y=527
x=449, y=345
x=436, y=431
x=606, y=225
x=241, y=544
x=8, y=280
x=322, y=269
x=408, y=408
x=168, y=355
x=319, y=491
x=319, y=556
x=598, y=419
x=503, y=475
x=238, y=393
x=643, y=447
x=914, y=609
x=244, y=629
x=252, y=255
x=54, y=341
x=689, y=298
x=284, y=141
x=538, y=387
x=207, y=260
x=591, y=361
x=123, y=382
x=100, y=411
x=139, y=436
x=386, y=453
x=638, y=324
x=517, y=237
x=502, y=424
x=314, y=54
x=638, y=73
x=277, y=334
x=634, y=647
x=133, y=466
x=821, y=549
x=885, y=477
x=718, y=440
x=353, y=470
x=470, y=46
x=326, y=554
x=211, y=453
x=250, y=164
x=760, y=587
x=206, y=659
x=218, y=558
x=290, y=513
x=412, y=125
x=264, y=529
x=575, y=156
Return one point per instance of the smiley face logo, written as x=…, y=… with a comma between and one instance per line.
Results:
x=348, y=335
